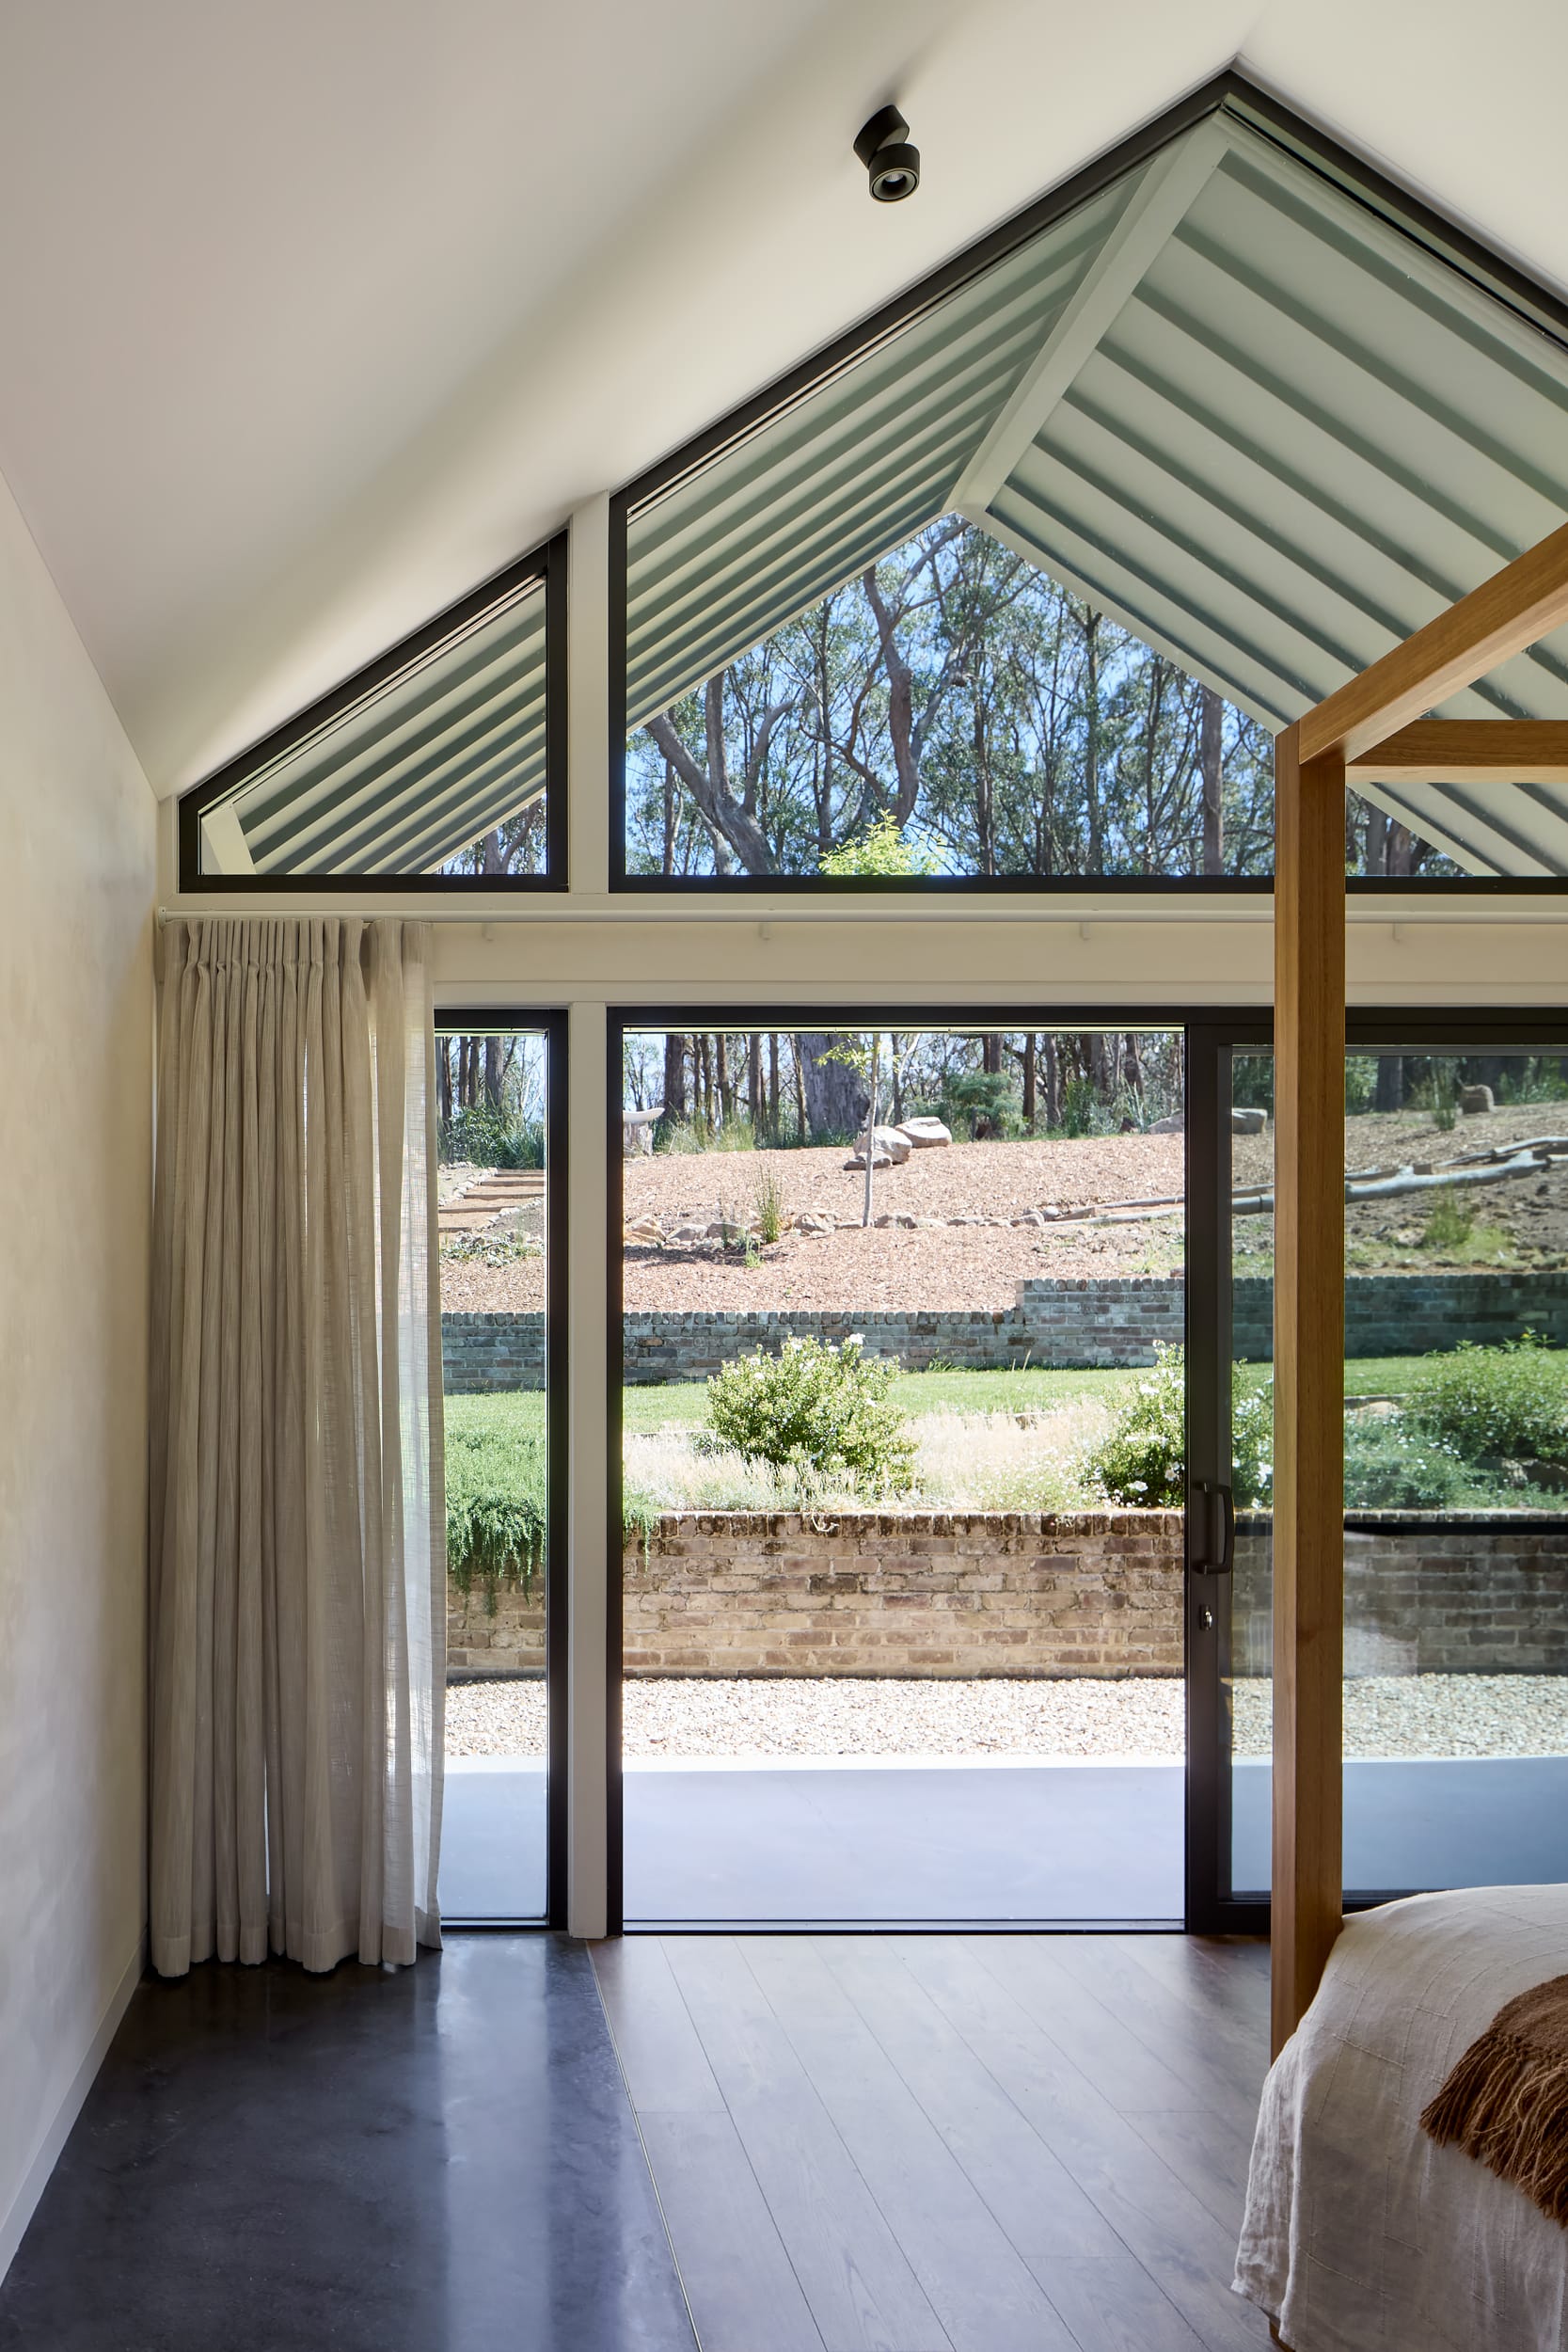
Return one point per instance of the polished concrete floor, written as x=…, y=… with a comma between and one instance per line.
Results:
x=859, y=2144
x=432, y=2159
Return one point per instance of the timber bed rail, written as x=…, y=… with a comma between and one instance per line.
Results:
x=1374, y=727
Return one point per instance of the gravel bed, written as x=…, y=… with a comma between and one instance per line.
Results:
x=1440, y=1715
x=1410, y=1715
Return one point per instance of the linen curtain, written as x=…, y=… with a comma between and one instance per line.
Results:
x=298, y=1519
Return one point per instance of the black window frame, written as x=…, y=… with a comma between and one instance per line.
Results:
x=507, y=1021
x=1499, y=279
x=545, y=566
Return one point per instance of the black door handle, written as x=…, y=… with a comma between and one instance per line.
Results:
x=1218, y=1505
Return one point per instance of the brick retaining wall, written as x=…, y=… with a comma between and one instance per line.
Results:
x=1464, y=1594
x=1081, y=1592
x=1097, y=1320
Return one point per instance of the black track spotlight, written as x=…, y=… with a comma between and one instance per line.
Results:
x=893, y=166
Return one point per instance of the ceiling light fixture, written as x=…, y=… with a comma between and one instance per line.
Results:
x=891, y=163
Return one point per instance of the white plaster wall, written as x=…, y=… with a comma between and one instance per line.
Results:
x=77, y=883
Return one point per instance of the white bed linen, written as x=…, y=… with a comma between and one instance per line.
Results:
x=1359, y=2232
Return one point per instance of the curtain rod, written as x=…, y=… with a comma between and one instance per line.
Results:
x=876, y=911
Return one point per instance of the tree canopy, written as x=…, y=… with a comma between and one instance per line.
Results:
x=958, y=701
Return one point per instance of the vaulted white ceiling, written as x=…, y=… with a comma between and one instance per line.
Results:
x=311, y=315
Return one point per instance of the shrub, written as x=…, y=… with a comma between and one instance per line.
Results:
x=821, y=1413
x=1141, y=1460
x=488, y=1137
x=1079, y=1109
x=1495, y=1404
x=770, y=1206
x=496, y=1492
x=1451, y=1221
x=881, y=849
x=982, y=1100
x=1391, y=1466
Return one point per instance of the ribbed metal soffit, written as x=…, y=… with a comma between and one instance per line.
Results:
x=1227, y=398
x=409, y=774
x=1229, y=401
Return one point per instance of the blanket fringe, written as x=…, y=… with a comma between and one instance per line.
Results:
x=1506, y=2104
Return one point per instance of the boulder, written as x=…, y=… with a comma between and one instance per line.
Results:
x=1249, y=1122
x=1475, y=1102
x=924, y=1132
x=890, y=1145
x=810, y=1223
x=1174, y=1126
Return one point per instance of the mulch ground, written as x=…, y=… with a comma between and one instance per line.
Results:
x=980, y=1267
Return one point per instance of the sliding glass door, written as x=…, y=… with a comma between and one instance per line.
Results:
x=500, y=1202
x=1456, y=1466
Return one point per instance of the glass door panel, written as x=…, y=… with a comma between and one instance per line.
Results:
x=497, y=1096
x=1456, y=1470
x=1249, y=1676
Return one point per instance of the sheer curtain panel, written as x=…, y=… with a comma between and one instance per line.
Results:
x=298, y=1532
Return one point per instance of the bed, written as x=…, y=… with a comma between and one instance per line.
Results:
x=1359, y=2232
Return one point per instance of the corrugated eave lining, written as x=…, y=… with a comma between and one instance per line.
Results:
x=1301, y=436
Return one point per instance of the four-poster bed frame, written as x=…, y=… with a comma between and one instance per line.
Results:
x=1371, y=728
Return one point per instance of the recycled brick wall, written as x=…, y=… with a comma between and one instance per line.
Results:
x=1084, y=1593
x=1100, y=1322
x=1464, y=1594
x=878, y=1592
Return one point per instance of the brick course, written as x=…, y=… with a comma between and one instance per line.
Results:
x=1081, y=1592
x=1101, y=1322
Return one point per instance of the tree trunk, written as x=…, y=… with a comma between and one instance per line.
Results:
x=1388, y=1090
x=443, y=1081
x=1031, y=1107
x=797, y=1057
x=834, y=1096
x=1211, y=713
x=870, y=1141
x=1053, y=1083
x=493, y=1073
x=1376, y=854
x=1091, y=743
x=755, y=1100
x=773, y=1085
x=722, y=1071
x=675, y=1076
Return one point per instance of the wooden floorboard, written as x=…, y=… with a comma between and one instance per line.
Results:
x=948, y=2143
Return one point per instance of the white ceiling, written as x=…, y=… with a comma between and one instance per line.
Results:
x=312, y=314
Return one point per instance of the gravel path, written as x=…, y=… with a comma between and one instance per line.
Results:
x=1385, y=1716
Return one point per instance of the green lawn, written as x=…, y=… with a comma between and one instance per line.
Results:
x=683, y=1403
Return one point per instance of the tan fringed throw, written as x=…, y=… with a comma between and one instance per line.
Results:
x=1506, y=2102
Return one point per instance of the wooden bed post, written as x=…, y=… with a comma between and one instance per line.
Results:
x=1309, y=1371
x=1375, y=725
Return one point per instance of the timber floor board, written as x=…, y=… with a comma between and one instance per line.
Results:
x=948, y=2143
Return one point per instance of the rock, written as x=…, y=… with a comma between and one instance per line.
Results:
x=810, y=1223
x=1030, y=1216
x=1174, y=1126
x=1475, y=1102
x=1249, y=1122
x=687, y=1235
x=891, y=1150
x=636, y=1132
x=645, y=1229
x=924, y=1132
